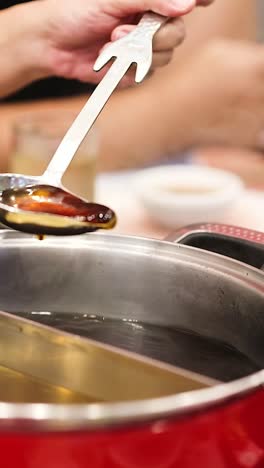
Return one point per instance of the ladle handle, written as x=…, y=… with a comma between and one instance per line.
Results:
x=82, y=124
x=239, y=243
x=135, y=47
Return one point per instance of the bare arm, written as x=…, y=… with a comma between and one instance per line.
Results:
x=142, y=121
x=226, y=19
x=20, y=50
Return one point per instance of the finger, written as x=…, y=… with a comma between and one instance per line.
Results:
x=171, y=8
x=122, y=31
x=170, y=35
x=204, y=2
x=160, y=59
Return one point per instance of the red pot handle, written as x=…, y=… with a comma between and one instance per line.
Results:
x=221, y=229
x=240, y=243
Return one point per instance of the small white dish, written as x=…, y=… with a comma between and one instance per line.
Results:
x=177, y=195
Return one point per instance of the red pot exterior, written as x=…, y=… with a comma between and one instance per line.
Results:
x=229, y=436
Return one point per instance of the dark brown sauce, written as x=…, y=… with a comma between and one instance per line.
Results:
x=56, y=201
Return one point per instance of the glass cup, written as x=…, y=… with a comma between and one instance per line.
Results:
x=36, y=138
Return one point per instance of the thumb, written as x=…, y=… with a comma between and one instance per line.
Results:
x=171, y=8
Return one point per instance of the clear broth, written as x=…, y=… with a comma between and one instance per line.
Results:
x=174, y=346
x=16, y=387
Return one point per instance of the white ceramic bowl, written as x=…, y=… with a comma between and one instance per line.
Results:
x=179, y=195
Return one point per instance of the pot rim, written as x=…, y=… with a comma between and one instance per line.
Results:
x=76, y=417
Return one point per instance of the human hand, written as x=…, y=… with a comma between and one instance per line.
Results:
x=72, y=34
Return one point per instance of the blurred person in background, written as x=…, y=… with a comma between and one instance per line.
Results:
x=212, y=92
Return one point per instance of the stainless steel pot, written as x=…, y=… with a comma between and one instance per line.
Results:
x=141, y=279
x=157, y=282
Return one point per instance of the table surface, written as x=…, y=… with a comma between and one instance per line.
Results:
x=117, y=192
